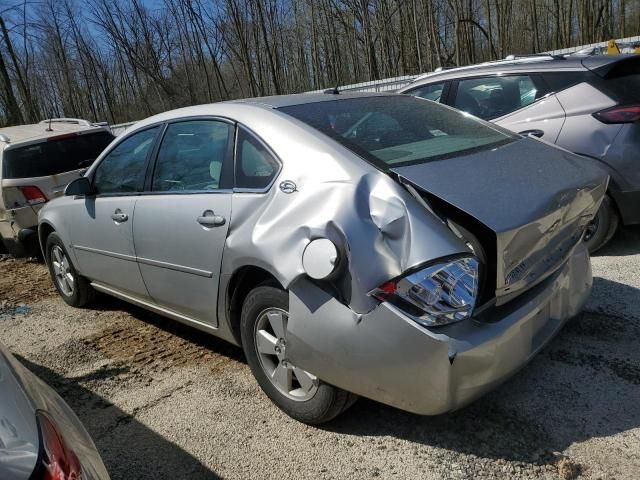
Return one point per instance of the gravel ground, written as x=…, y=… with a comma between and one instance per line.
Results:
x=165, y=401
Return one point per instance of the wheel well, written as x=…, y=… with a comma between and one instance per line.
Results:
x=44, y=230
x=242, y=282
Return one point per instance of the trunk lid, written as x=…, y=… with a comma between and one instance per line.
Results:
x=535, y=198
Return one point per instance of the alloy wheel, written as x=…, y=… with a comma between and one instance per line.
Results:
x=62, y=270
x=270, y=335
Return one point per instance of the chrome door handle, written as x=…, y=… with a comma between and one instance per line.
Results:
x=119, y=217
x=210, y=219
x=532, y=133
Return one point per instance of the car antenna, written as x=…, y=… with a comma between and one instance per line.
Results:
x=49, y=129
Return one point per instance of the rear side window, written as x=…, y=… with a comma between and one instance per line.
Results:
x=398, y=130
x=255, y=165
x=431, y=92
x=123, y=169
x=493, y=97
x=559, y=81
x=57, y=155
x=191, y=156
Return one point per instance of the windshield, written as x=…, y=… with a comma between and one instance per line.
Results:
x=54, y=155
x=403, y=130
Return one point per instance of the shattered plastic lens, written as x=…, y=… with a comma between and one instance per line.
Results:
x=437, y=295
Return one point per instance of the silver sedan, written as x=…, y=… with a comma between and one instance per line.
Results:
x=375, y=245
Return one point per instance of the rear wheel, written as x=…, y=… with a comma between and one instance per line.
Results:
x=72, y=287
x=603, y=226
x=298, y=393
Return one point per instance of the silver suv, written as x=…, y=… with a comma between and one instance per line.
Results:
x=589, y=105
x=36, y=164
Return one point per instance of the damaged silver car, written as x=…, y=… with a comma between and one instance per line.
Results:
x=375, y=245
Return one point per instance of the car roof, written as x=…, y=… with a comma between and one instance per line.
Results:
x=279, y=101
x=38, y=131
x=538, y=63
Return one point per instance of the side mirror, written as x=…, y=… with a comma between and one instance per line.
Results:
x=79, y=187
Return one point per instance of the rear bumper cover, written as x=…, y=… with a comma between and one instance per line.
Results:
x=385, y=356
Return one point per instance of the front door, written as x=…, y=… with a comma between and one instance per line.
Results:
x=180, y=226
x=101, y=225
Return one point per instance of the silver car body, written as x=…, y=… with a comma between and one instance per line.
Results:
x=22, y=394
x=163, y=260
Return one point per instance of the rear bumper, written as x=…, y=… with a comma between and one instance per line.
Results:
x=19, y=230
x=387, y=357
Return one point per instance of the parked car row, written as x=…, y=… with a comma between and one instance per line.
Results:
x=374, y=245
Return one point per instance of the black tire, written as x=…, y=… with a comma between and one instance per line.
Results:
x=603, y=226
x=83, y=293
x=326, y=403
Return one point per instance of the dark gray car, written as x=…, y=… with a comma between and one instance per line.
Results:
x=589, y=105
x=40, y=437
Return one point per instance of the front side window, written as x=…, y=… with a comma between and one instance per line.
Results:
x=56, y=155
x=431, y=92
x=123, y=169
x=392, y=131
x=255, y=166
x=191, y=156
x=493, y=97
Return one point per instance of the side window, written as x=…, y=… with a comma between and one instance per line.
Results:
x=493, y=97
x=123, y=169
x=255, y=166
x=191, y=156
x=430, y=92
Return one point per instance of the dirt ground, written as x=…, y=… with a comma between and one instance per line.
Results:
x=162, y=400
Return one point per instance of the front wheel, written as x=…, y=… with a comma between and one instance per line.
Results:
x=603, y=226
x=298, y=393
x=72, y=287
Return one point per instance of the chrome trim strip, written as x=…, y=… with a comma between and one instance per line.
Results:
x=178, y=268
x=156, y=308
x=121, y=256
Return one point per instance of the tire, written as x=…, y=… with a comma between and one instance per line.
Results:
x=603, y=226
x=77, y=293
x=309, y=400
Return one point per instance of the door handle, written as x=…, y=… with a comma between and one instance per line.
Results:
x=210, y=219
x=532, y=133
x=119, y=217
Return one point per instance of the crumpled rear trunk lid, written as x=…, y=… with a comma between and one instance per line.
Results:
x=535, y=198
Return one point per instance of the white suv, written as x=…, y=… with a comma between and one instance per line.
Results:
x=36, y=164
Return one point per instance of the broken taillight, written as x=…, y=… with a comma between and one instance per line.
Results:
x=56, y=460
x=33, y=195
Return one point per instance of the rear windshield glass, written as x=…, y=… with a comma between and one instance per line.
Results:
x=399, y=130
x=54, y=156
x=622, y=82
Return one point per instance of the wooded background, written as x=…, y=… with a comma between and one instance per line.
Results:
x=121, y=60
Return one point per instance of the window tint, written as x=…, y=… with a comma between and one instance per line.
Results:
x=399, y=130
x=55, y=155
x=255, y=166
x=122, y=170
x=493, y=97
x=430, y=92
x=191, y=156
x=559, y=81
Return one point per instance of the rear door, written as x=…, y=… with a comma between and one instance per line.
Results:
x=517, y=102
x=181, y=223
x=101, y=225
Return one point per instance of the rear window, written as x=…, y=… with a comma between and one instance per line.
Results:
x=399, y=130
x=54, y=156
